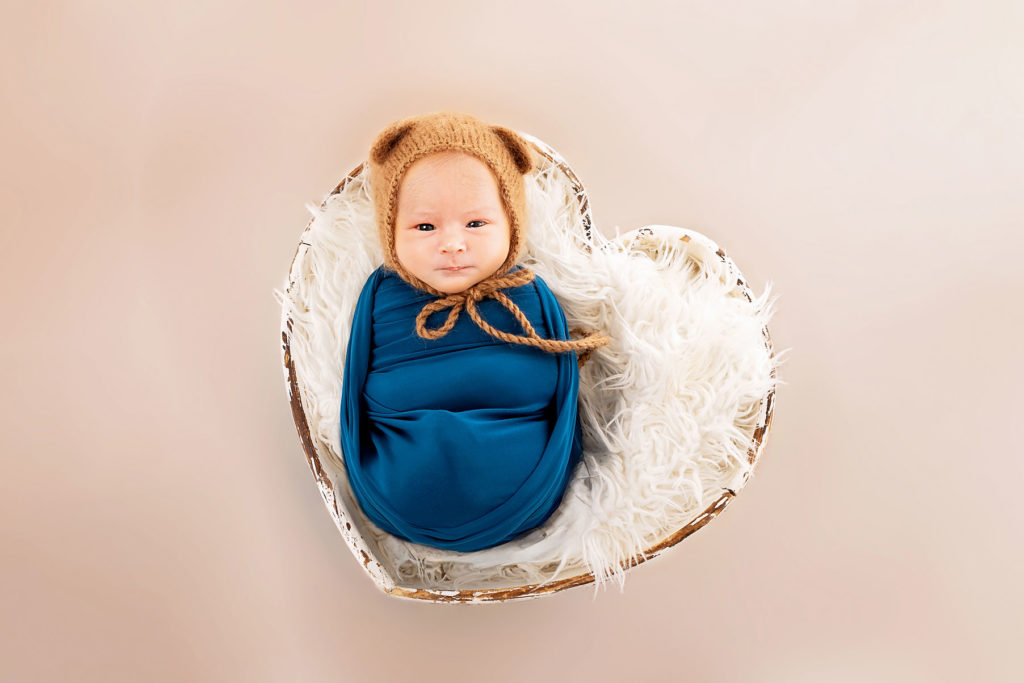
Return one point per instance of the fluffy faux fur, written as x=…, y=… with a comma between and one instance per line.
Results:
x=669, y=408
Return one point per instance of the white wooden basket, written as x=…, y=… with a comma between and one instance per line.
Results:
x=717, y=365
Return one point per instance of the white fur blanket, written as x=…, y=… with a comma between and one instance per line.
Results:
x=669, y=408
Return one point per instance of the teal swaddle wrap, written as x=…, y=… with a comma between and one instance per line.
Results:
x=465, y=441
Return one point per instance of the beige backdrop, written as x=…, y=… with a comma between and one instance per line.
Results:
x=159, y=522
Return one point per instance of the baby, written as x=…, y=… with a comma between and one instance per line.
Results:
x=458, y=431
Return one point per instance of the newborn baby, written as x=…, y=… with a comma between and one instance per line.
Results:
x=458, y=431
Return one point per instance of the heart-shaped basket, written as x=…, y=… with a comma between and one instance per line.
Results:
x=675, y=410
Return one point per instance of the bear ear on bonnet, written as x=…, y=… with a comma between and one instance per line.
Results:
x=517, y=147
x=388, y=138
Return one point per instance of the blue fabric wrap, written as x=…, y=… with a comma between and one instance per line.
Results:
x=465, y=441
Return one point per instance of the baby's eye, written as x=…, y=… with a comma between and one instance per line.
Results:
x=470, y=224
x=425, y=227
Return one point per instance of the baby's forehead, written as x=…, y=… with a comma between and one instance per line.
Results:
x=458, y=177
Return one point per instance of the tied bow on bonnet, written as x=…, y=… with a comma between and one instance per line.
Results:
x=490, y=288
x=508, y=156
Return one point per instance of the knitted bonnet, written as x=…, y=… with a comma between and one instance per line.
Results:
x=508, y=156
x=402, y=143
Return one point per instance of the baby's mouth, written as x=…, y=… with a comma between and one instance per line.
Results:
x=454, y=269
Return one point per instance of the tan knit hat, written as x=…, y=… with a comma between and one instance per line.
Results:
x=399, y=145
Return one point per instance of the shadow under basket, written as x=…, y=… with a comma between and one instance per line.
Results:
x=675, y=412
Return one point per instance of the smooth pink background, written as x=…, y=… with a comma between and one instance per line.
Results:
x=158, y=519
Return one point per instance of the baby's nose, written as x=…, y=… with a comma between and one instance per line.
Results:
x=453, y=244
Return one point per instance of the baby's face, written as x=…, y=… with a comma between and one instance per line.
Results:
x=451, y=230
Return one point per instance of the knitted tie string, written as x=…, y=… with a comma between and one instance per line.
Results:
x=489, y=288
